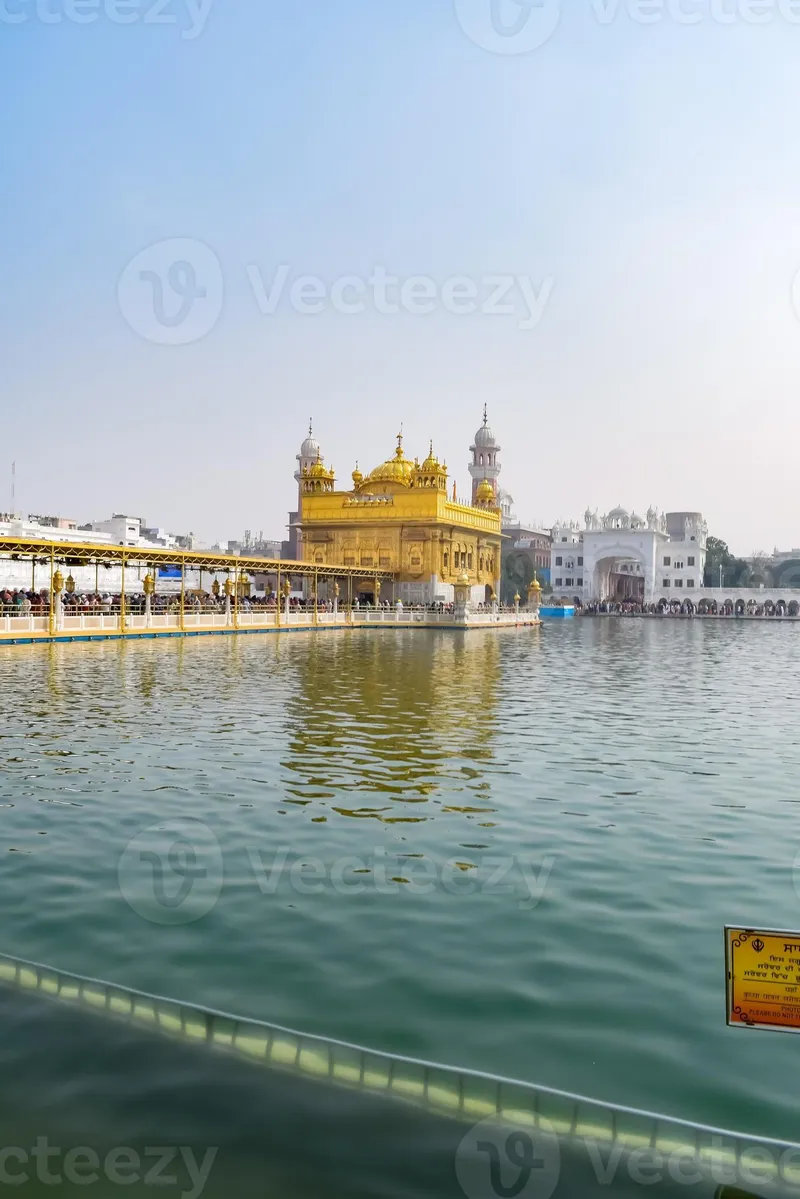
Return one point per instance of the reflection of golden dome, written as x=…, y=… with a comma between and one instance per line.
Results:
x=485, y=492
x=394, y=470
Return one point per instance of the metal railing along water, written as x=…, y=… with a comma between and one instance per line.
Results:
x=468, y=1096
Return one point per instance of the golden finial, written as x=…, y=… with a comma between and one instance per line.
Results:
x=485, y=414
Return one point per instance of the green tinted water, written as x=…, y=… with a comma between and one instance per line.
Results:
x=570, y=815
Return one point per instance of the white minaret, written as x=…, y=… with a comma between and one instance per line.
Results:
x=309, y=454
x=484, y=463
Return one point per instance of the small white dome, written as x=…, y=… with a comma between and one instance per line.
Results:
x=617, y=513
x=310, y=447
x=484, y=438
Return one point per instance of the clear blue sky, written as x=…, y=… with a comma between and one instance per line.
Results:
x=650, y=172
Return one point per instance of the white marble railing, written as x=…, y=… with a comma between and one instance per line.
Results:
x=105, y=622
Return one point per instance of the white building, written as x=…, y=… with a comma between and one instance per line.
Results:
x=121, y=530
x=48, y=528
x=624, y=556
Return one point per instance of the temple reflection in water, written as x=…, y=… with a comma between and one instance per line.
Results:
x=389, y=723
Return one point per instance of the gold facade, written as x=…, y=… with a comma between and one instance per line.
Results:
x=399, y=518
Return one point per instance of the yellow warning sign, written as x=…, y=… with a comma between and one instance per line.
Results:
x=763, y=972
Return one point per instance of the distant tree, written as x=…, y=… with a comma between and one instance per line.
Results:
x=760, y=568
x=735, y=571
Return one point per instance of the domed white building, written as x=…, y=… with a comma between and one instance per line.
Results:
x=623, y=556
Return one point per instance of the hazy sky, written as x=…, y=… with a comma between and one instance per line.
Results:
x=628, y=180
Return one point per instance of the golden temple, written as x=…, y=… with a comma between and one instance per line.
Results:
x=400, y=518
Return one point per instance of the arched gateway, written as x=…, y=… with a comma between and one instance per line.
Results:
x=619, y=576
x=622, y=556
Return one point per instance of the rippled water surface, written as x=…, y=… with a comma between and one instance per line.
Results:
x=514, y=851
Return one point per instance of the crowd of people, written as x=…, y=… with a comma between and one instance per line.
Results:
x=19, y=602
x=689, y=608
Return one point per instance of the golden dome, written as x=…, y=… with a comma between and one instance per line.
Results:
x=357, y=476
x=395, y=470
x=485, y=492
x=431, y=464
x=319, y=470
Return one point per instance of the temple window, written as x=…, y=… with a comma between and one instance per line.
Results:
x=469, y=561
x=446, y=556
